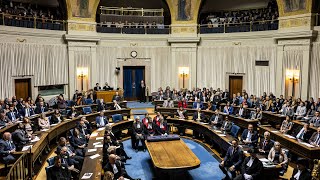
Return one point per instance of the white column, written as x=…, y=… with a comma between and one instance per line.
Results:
x=279, y=81
x=305, y=72
x=72, y=72
x=94, y=67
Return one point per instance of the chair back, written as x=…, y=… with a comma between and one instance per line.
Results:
x=116, y=118
x=87, y=110
x=50, y=161
x=235, y=130
x=88, y=101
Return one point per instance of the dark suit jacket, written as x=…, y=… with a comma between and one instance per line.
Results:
x=137, y=130
x=313, y=137
x=235, y=158
x=228, y=126
x=109, y=167
x=98, y=120
x=244, y=113
x=76, y=142
x=19, y=138
x=85, y=130
x=59, y=173
x=5, y=148
x=306, y=136
x=267, y=147
x=11, y=117
x=254, y=137
x=220, y=119
x=23, y=112
x=117, y=98
x=194, y=106
x=162, y=131
x=38, y=109
x=97, y=88
x=54, y=119
x=254, y=170
x=305, y=175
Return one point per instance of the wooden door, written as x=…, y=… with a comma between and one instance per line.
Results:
x=22, y=88
x=235, y=84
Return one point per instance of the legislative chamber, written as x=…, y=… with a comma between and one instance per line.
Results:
x=160, y=90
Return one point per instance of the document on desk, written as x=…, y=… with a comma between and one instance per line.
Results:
x=53, y=124
x=307, y=144
x=222, y=135
x=25, y=148
x=94, y=156
x=101, y=129
x=264, y=160
x=99, y=138
x=291, y=137
x=98, y=146
x=44, y=130
x=36, y=138
x=218, y=131
x=96, y=143
x=275, y=131
x=92, y=150
x=87, y=176
x=94, y=135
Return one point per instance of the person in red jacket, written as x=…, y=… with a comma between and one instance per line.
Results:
x=183, y=103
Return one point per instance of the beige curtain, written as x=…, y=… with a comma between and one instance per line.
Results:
x=48, y=65
x=314, y=85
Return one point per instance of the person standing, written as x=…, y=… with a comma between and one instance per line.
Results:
x=142, y=91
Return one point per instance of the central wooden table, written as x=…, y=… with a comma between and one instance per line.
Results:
x=172, y=155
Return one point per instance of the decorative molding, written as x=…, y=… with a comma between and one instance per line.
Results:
x=21, y=40
x=184, y=39
x=294, y=42
x=82, y=38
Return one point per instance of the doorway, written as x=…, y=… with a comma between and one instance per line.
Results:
x=22, y=88
x=235, y=85
x=132, y=75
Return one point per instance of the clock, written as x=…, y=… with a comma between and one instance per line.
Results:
x=134, y=54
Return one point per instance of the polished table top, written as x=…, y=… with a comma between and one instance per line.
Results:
x=172, y=155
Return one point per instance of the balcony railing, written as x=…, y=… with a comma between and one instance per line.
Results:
x=31, y=22
x=130, y=11
x=21, y=169
x=133, y=29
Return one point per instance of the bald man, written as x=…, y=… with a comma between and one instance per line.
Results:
x=114, y=166
x=265, y=144
x=7, y=148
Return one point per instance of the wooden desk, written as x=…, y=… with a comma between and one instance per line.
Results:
x=107, y=95
x=242, y=122
x=172, y=155
x=272, y=118
x=93, y=165
x=292, y=144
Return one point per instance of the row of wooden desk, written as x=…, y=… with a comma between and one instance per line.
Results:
x=159, y=103
x=58, y=130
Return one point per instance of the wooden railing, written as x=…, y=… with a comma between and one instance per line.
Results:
x=21, y=169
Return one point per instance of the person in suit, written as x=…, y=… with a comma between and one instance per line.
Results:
x=97, y=87
x=216, y=119
x=286, y=125
x=116, y=106
x=198, y=104
x=114, y=166
x=78, y=142
x=162, y=127
x=181, y=113
x=20, y=137
x=315, y=121
x=116, y=97
x=251, y=167
x=301, y=172
x=303, y=134
x=315, y=138
x=118, y=149
x=12, y=115
x=301, y=111
x=73, y=113
x=150, y=128
x=27, y=110
x=142, y=87
x=256, y=114
x=278, y=156
x=232, y=160
x=59, y=170
x=101, y=120
x=7, y=148
x=226, y=125
x=287, y=110
x=241, y=112
x=249, y=136
x=56, y=117
x=84, y=127
x=228, y=109
x=160, y=96
x=100, y=105
x=106, y=87
x=225, y=95
x=138, y=133
x=41, y=108
x=234, y=101
x=78, y=157
x=183, y=103
x=72, y=165
x=198, y=116
x=266, y=143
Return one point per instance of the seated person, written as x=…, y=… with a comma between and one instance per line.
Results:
x=41, y=108
x=265, y=144
x=181, y=113
x=150, y=128
x=145, y=119
x=100, y=105
x=13, y=115
x=249, y=136
x=78, y=141
x=315, y=138
x=156, y=119
x=101, y=120
x=168, y=103
x=256, y=114
x=20, y=137
x=73, y=113
x=286, y=125
x=216, y=119
x=183, y=103
x=287, y=110
x=4, y=120
x=118, y=149
x=73, y=154
x=303, y=134
x=117, y=97
x=115, y=167
x=197, y=105
x=232, y=161
x=59, y=170
x=228, y=109
x=43, y=121
x=162, y=127
x=315, y=121
x=241, y=112
x=27, y=110
x=112, y=135
x=226, y=125
x=7, y=148
x=301, y=172
x=278, y=156
x=251, y=167
x=84, y=127
x=116, y=106
x=56, y=117
x=138, y=133
x=301, y=111
x=198, y=116
x=71, y=164
x=106, y=87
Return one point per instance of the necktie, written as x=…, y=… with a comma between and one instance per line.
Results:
x=10, y=146
x=264, y=144
x=317, y=141
x=28, y=112
x=41, y=109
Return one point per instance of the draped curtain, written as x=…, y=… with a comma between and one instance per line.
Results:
x=47, y=64
x=215, y=63
x=127, y=76
x=314, y=85
x=83, y=60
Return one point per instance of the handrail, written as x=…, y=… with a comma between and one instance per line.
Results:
x=122, y=11
x=18, y=170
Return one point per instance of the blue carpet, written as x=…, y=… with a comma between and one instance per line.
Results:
x=141, y=113
x=140, y=166
x=139, y=105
